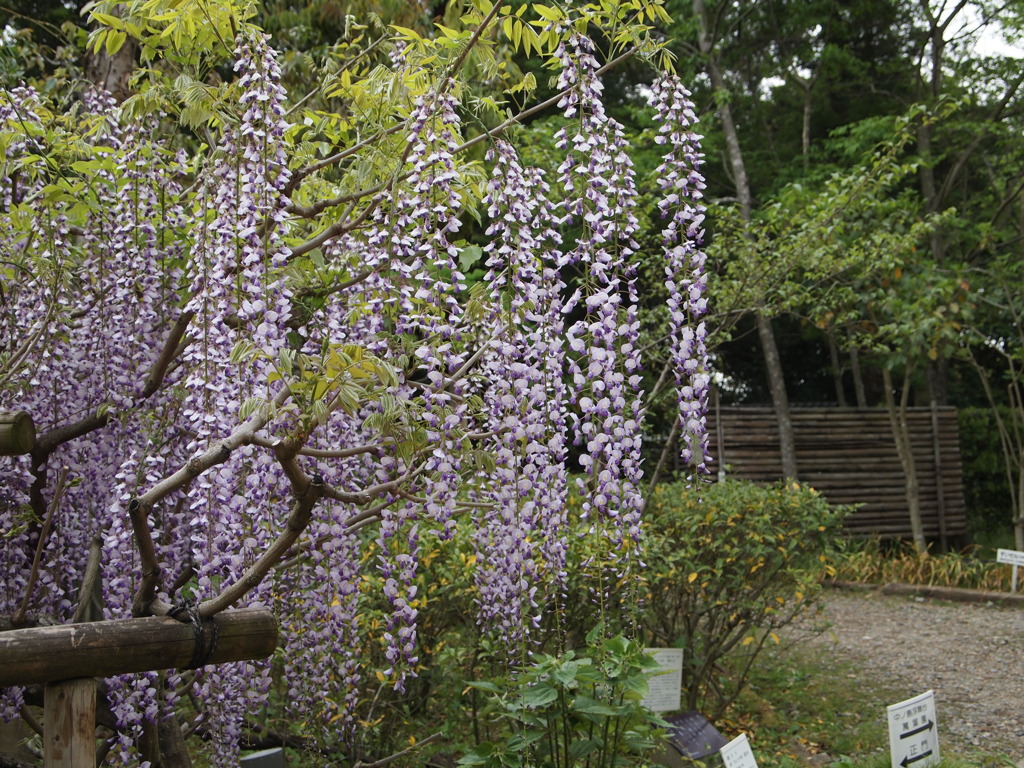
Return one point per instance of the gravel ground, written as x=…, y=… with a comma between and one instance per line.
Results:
x=970, y=654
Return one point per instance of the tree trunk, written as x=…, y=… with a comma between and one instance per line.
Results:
x=1012, y=448
x=858, y=379
x=765, y=333
x=777, y=387
x=837, y=368
x=163, y=744
x=937, y=374
x=1018, y=518
x=111, y=73
x=666, y=451
x=901, y=435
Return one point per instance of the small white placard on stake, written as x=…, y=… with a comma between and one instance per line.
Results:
x=1014, y=558
x=1011, y=556
x=664, y=692
x=738, y=754
x=913, y=732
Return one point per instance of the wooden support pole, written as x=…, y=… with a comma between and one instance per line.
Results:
x=69, y=724
x=105, y=648
x=17, y=433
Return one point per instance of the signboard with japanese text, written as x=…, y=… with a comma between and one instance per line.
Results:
x=693, y=735
x=664, y=689
x=738, y=754
x=1010, y=556
x=1014, y=558
x=913, y=732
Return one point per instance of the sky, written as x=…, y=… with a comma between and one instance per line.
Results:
x=992, y=41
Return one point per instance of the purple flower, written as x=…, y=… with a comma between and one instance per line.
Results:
x=682, y=186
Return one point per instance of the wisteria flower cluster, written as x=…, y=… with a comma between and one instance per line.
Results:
x=598, y=179
x=683, y=185
x=526, y=399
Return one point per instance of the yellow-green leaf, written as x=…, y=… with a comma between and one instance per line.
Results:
x=115, y=39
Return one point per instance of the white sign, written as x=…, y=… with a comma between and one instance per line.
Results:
x=913, y=732
x=738, y=754
x=664, y=687
x=1011, y=556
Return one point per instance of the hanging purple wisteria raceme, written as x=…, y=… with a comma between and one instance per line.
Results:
x=600, y=197
x=240, y=300
x=525, y=402
x=117, y=283
x=681, y=181
x=376, y=393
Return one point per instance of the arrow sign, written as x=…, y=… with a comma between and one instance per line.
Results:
x=911, y=760
x=913, y=732
x=920, y=729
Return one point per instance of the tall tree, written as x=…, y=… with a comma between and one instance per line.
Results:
x=708, y=44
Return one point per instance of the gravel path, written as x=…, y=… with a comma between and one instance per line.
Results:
x=970, y=654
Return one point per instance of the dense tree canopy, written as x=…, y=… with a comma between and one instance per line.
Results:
x=806, y=96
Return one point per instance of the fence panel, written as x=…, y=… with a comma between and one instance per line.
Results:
x=849, y=455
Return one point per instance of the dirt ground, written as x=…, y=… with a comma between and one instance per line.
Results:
x=970, y=654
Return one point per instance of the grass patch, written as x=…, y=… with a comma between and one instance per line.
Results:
x=875, y=562
x=807, y=705
x=987, y=542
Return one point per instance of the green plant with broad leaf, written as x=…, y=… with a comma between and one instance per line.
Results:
x=573, y=710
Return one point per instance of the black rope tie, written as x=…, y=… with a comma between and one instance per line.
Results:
x=187, y=612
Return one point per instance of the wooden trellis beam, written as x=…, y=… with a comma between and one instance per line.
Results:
x=17, y=433
x=105, y=648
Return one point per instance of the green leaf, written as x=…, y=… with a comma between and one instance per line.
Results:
x=406, y=33
x=115, y=39
x=478, y=755
x=485, y=685
x=107, y=20
x=580, y=749
x=469, y=256
x=251, y=406
x=589, y=706
x=521, y=741
x=566, y=673
x=539, y=695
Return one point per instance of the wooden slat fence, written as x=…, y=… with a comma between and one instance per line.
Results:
x=849, y=455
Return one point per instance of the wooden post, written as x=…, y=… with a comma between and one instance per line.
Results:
x=17, y=433
x=69, y=724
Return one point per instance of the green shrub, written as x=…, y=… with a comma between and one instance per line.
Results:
x=726, y=568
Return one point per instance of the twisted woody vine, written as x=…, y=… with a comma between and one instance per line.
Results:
x=242, y=327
